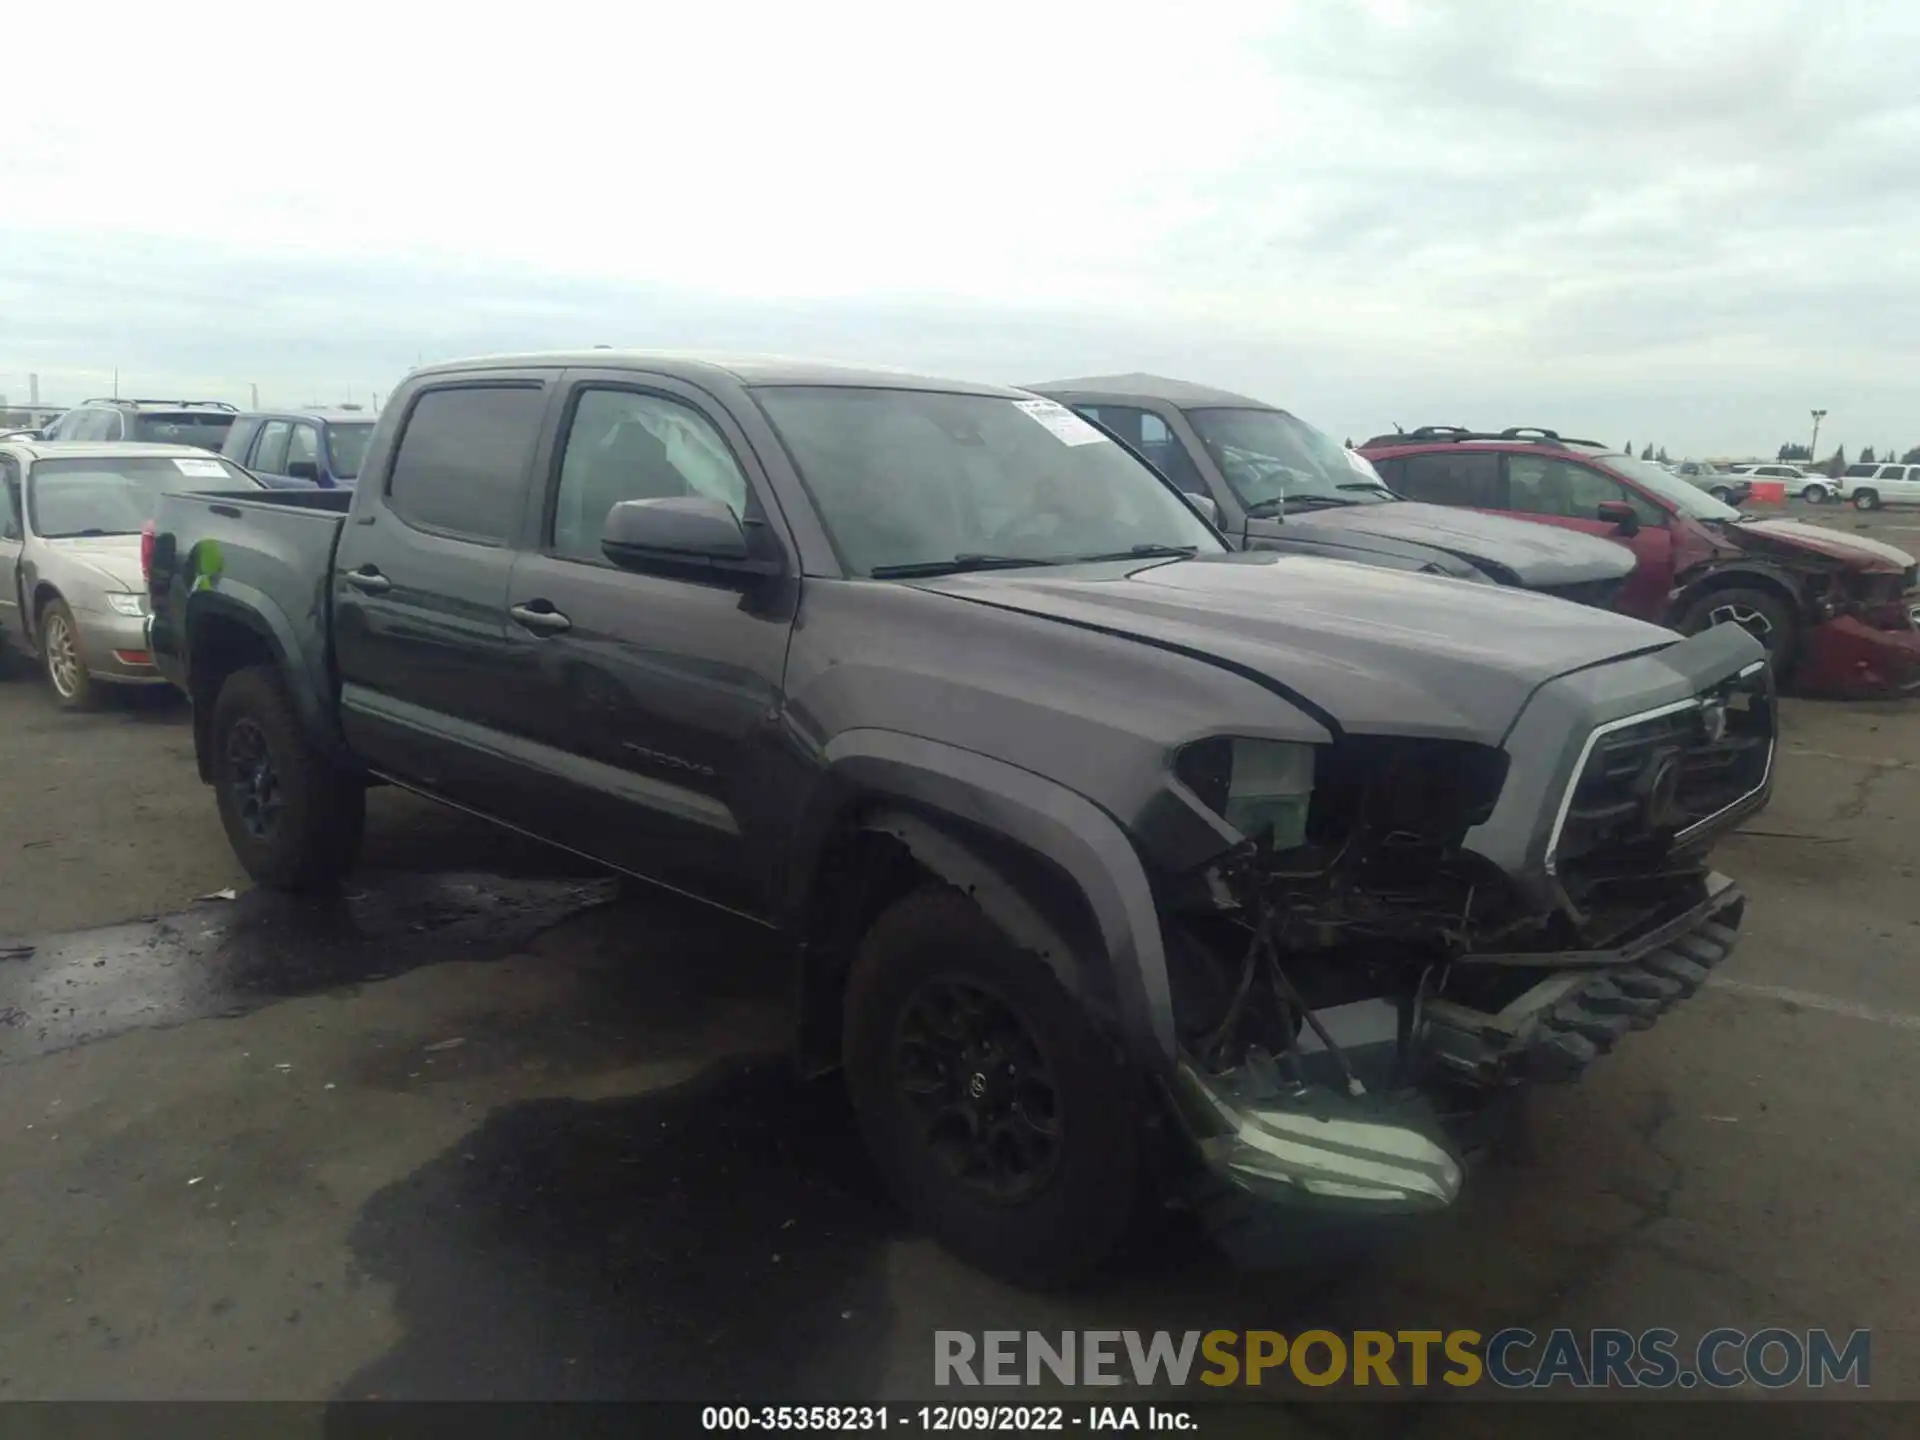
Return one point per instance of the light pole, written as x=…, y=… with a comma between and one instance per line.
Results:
x=1813, y=446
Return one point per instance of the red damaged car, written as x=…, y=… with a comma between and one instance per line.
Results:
x=1835, y=610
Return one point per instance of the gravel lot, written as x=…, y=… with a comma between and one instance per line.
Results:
x=491, y=1126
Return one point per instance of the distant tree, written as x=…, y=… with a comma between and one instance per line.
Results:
x=1866, y=456
x=1661, y=455
x=1349, y=442
x=1837, y=465
x=1629, y=449
x=1912, y=457
x=1794, y=452
x=1647, y=453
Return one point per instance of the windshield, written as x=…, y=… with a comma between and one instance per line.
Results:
x=116, y=495
x=208, y=431
x=918, y=479
x=1677, y=493
x=1268, y=455
x=347, y=446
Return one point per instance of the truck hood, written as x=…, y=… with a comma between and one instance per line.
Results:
x=1536, y=556
x=114, y=559
x=1372, y=650
x=1788, y=537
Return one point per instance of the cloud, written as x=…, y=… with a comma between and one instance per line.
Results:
x=1688, y=223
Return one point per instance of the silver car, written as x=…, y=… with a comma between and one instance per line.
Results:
x=71, y=588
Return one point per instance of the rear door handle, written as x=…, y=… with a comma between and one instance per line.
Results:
x=541, y=618
x=369, y=580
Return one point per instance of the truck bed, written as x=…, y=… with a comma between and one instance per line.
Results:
x=270, y=551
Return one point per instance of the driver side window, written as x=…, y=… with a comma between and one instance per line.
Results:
x=1543, y=485
x=624, y=445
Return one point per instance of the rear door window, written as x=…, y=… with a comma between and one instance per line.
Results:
x=1453, y=477
x=303, y=446
x=463, y=461
x=270, y=454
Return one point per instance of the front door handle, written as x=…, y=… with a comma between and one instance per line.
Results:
x=369, y=581
x=543, y=620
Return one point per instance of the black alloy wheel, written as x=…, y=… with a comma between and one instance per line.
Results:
x=259, y=802
x=981, y=1088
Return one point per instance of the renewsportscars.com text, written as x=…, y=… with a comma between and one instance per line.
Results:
x=1771, y=1357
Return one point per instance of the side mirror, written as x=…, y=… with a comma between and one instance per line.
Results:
x=683, y=533
x=303, y=470
x=1208, y=507
x=1620, y=515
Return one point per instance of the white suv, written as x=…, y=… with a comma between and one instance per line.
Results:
x=1814, y=489
x=1871, y=486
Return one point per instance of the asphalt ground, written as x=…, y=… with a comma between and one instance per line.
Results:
x=491, y=1126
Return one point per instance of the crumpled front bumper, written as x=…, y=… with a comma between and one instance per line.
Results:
x=1566, y=1021
x=1846, y=658
x=1389, y=1151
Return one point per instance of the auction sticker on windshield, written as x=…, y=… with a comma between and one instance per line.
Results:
x=202, y=469
x=1067, y=427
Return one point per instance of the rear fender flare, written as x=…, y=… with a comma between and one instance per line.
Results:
x=305, y=675
x=1044, y=862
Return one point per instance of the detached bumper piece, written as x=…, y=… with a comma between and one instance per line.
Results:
x=1560, y=1026
x=1273, y=1144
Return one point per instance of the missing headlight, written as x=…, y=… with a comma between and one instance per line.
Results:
x=1260, y=787
x=1435, y=790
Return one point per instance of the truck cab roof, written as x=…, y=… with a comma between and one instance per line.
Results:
x=744, y=369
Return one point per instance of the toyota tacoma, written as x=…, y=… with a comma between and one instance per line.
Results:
x=1107, y=854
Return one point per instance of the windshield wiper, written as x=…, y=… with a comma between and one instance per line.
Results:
x=958, y=565
x=1373, y=485
x=1310, y=502
x=1144, y=552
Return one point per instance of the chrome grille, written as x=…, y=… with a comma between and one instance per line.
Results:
x=1667, y=774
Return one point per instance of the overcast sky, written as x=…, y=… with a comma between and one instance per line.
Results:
x=1684, y=224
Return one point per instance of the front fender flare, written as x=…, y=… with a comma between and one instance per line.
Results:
x=1745, y=570
x=995, y=831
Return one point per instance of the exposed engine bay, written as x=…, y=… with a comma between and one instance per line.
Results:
x=1370, y=986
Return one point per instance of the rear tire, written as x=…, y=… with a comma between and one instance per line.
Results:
x=1768, y=617
x=1722, y=494
x=294, y=821
x=1866, y=499
x=73, y=684
x=998, y=1114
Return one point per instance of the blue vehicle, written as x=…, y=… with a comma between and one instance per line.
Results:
x=302, y=449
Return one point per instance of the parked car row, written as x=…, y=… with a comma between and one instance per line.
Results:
x=1526, y=508
x=1119, y=835
x=285, y=448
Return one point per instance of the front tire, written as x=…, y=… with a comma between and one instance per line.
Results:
x=73, y=684
x=1814, y=494
x=293, y=820
x=1722, y=494
x=1866, y=499
x=999, y=1115
x=1768, y=617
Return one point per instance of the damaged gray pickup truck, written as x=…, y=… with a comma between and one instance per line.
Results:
x=1106, y=853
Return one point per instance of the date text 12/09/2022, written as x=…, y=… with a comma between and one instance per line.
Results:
x=938, y=1419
